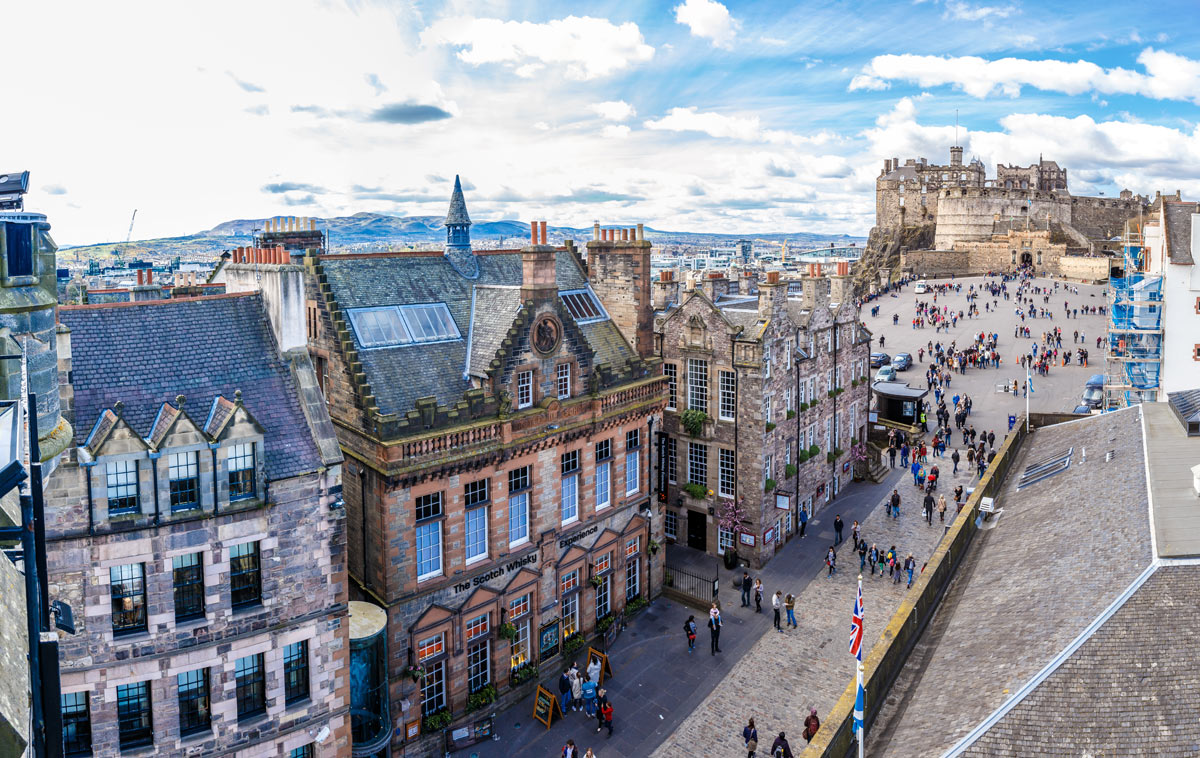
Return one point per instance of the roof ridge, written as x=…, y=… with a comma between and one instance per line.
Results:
x=164, y=301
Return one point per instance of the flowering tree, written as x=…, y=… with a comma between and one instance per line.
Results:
x=858, y=452
x=732, y=515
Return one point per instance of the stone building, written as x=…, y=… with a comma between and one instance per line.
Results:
x=907, y=194
x=195, y=526
x=497, y=428
x=1044, y=175
x=766, y=393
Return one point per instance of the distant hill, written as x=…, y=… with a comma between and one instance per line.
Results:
x=376, y=231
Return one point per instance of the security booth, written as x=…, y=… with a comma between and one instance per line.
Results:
x=897, y=404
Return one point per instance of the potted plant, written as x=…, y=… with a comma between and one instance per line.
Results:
x=435, y=721
x=508, y=631
x=480, y=698
x=791, y=415
x=415, y=672
x=813, y=450
x=652, y=546
x=603, y=624
x=573, y=643
x=790, y=470
x=596, y=581
x=636, y=605
x=695, y=490
x=770, y=426
x=693, y=421
x=519, y=676
x=770, y=485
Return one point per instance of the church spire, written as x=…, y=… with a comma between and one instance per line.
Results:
x=458, y=235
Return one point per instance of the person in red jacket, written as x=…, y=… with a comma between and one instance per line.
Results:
x=811, y=725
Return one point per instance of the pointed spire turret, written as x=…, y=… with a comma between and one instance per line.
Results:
x=458, y=235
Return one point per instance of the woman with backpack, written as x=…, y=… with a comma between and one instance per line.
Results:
x=811, y=725
x=569, y=750
x=750, y=737
x=689, y=628
x=831, y=561
x=780, y=747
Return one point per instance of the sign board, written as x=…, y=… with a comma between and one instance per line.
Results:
x=548, y=639
x=845, y=467
x=873, y=416
x=612, y=632
x=768, y=536
x=605, y=668
x=545, y=705
x=783, y=502
x=747, y=539
x=468, y=735
x=412, y=730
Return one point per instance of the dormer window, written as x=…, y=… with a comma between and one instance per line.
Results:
x=184, y=475
x=524, y=389
x=241, y=471
x=122, y=481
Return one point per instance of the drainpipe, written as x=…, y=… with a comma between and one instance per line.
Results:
x=154, y=457
x=216, y=503
x=87, y=467
x=737, y=396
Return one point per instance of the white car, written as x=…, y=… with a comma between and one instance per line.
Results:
x=921, y=287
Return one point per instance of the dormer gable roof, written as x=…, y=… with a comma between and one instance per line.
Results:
x=171, y=419
x=225, y=415
x=111, y=426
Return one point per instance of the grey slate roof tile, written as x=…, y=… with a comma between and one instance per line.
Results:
x=145, y=354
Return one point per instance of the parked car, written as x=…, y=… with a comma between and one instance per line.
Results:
x=1093, y=391
x=921, y=288
x=886, y=374
x=902, y=361
x=879, y=359
x=1082, y=409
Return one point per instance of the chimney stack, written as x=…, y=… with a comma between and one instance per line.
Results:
x=543, y=232
x=264, y=269
x=772, y=296
x=140, y=277
x=714, y=285
x=815, y=291
x=619, y=273
x=596, y=231
x=666, y=290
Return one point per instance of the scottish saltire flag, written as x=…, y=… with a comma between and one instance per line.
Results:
x=858, y=709
x=856, y=626
x=1029, y=380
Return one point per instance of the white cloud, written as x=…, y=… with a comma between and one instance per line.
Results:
x=745, y=128
x=614, y=110
x=618, y=131
x=960, y=11
x=585, y=47
x=1167, y=76
x=542, y=126
x=710, y=20
x=773, y=41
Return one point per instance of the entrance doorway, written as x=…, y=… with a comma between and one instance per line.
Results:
x=1026, y=259
x=697, y=530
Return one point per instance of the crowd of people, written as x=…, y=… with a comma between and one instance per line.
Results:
x=581, y=691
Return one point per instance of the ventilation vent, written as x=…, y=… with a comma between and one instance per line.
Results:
x=1110, y=455
x=1045, y=468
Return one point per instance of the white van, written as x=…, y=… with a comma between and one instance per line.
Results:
x=921, y=287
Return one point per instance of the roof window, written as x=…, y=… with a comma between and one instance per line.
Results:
x=1045, y=468
x=583, y=306
x=403, y=325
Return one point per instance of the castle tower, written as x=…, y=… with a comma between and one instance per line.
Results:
x=458, y=235
x=956, y=156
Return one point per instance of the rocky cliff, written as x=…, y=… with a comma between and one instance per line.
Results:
x=883, y=252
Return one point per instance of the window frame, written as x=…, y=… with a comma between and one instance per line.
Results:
x=243, y=480
x=136, y=575
x=195, y=703
x=562, y=381
x=603, y=484
x=122, y=475
x=183, y=480
x=569, y=487
x=188, y=594
x=433, y=688
x=475, y=536
x=697, y=384
x=671, y=524
x=697, y=463
x=671, y=371
x=297, y=683
x=143, y=734
x=726, y=456
x=253, y=571
x=250, y=686
x=727, y=395
x=76, y=723
x=524, y=389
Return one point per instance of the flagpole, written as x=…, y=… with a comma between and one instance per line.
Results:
x=860, y=710
x=862, y=727
x=1028, y=392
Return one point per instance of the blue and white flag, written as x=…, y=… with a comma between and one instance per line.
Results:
x=1029, y=380
x=858, y=710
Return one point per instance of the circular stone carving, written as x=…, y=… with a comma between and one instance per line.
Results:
x=546, y=334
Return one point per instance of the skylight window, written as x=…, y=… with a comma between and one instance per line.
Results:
x=583, y=306
x=1045, y=468
x=403, y=325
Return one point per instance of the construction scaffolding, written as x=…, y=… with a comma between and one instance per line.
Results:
x=1135, y=334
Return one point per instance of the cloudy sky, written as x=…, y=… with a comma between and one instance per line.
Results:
x=687, y=114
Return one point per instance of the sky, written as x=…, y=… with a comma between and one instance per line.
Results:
x=688, y=115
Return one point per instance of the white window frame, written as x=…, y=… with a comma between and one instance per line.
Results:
x=604, y=596
x=766, y=361
x=671, y=524
x=672, y=460
x=569, y=500
x=524, y=389
x=768, y=466
x=787, y=399
x=520, y=645
x=727, y=395
x=436, y=528
x=603, y=484
x=633, y=575
x=698, y=462
x=518, y=518
x=633, y=470
x=671, y=371
x=725, y=540
x=698, y=384
x=726, y=472
x=570, y=614
x=562, y=379
x=480, y=545
x=767, y=409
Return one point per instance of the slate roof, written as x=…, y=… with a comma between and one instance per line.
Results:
x=1132, y=689
x=1186, y=404
x=1179, y=231
x=1063, y=550
x=458, y=206
x=145, y=354
x=399, y=376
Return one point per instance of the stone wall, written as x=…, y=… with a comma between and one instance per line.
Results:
x=936, y=262
x=1101, y=217
x=969, y=213
x=1085, y=268
x=619, y=272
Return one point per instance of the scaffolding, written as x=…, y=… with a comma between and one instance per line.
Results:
x=1135, y=334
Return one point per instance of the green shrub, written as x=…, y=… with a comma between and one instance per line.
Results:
x=508, y=632
x=481, y=697
x=436, y=721
x=603, y=624
x=803, y=407
x=573, y=643
x=829, y=393
x=791, y=415
x=770, y=427
x=635, y=605
x=523, y=674
x=814, y=450
x=698, y=491
x=770, y=485
x=693, y=421
x=790, y=470
x=803, y=456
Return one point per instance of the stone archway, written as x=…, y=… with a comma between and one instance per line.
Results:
x=1026, y=259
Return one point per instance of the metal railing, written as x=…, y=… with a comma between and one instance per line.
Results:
x=689, y=586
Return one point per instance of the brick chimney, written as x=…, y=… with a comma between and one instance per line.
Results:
x=841, y=288
x=271, y=271
x=665, y=290
x=619, y=272
x=539, y=280
x=751, y=283
x=815, y=291
x=714, y=285
x=146, y=288
x=772, y=296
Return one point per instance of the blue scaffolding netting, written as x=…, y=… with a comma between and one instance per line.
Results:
x=1134, y=331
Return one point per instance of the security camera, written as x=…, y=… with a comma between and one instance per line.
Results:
x=322, y=735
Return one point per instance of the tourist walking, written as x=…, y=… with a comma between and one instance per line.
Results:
x=811, y=725
x=862, y=555
x=831, y=561
x=789, y=604
x=837, y=529
x=576, y=691
x=569, y=750
x=942, y=508
x=689, y=629
x=714, y=628
x=928, y=507
x=750, y=737
x=803, y=519
x=780, y=747
x=758, y=595
x=777, y=605
x=747, y=584
x=876, y=560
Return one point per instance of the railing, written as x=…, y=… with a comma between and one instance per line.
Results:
x=689, y=587
x=440, y=443
x=635, y=394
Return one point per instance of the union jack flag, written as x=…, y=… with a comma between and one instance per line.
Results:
x=856, y=626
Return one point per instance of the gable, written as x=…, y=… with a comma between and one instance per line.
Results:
x=112, y=435
x=433, y=615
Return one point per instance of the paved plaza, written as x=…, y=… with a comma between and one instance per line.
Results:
x=668, y=702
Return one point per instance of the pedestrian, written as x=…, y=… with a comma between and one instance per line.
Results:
x=589, y=754
x=606, y=710
x=894, y=504
x=955, y=457
x=747, y=584
x=576, y=691
x=891, y=560
x=837, y=529
x=862, y=555
x=910, y=564
x=876, y=560
x=803, y=519
x=564, y=685
x=916, y=472
x=714, y=628
x=569, y=750
x=941, y=506
x=758, y=595
x=780, y=747
x=831, y=561
x=855, y=529
x=589, y=696
x=750, y=737
x=601, y=699
x=689, y=629
x=777, y=605
x=789, y=603
x=991, y=439
x=928, y=507
x=593, y=671
x=892, y=456
x=811, y=725
x=899, y=570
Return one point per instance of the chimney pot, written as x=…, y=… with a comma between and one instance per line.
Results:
x=139, y=276
x=666, y=276
x=715, y=274
x=772, y=277
x=596, y=231
x=640, y=233
x=533, y=232
x=149, y=276
x=543, y=232
x=624, y=235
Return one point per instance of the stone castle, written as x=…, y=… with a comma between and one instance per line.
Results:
x=968, y=223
